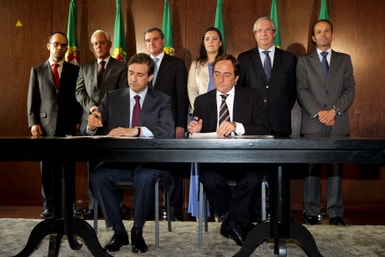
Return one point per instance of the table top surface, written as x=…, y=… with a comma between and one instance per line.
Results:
x=249, y=149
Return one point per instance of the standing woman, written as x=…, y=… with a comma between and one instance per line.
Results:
x=200, y=81
x=200, y=76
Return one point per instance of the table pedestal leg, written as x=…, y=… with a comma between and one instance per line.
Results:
x=63, y=222
x=280, y=227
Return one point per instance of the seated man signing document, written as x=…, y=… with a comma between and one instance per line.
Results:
x=134, y=111
x=230, y=110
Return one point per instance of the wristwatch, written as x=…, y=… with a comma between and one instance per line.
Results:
x=336, y=110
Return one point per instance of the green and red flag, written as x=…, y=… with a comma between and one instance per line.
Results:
x=119, y=48
x=167, y=30
x=73, y=53
x=218, y=23
x=323, y=13
x=274, y=17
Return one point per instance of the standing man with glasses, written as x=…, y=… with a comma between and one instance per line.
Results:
x=95, y=79
x=325, y=89
x=271, y=70
x=52, y=108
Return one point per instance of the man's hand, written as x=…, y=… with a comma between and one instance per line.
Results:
x=327, y=117
x=94, y=120
x=36, y=131
x=225, y=128
x=195, y=125
x=179, y=132
x=123, y=132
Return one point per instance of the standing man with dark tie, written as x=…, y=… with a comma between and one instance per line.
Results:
x=271, y=70
x=52, y=108
x=95, y=79
x=325, y=89
x=147, y=113
x=171, y=78
x=230, y=110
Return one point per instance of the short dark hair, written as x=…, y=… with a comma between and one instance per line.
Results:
x=142, y=58
x=323, y=20
x=234, y=61
x=57, y=32
x=151, y=29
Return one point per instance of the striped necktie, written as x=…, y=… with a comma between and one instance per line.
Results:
x=224, y=114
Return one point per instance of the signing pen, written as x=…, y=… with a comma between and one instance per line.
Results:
x=195, y=119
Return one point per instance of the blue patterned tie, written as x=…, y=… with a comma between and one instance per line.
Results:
x=156, y=60
x=325, y=65
x=267, y=65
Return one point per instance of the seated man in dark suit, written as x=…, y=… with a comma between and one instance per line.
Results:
x=230, y=110
x=117, y=117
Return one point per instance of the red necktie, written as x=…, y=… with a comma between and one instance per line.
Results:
x=100, y=73
x=136, y=112
x=56, y=75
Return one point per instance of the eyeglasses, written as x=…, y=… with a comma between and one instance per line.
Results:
x=56, y=45
x=267, y=30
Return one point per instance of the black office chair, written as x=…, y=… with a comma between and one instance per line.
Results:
x=129, y=184
x=203, y=208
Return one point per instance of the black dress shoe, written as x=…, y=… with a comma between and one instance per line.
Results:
x=337, y=221
x=137, y=241
x=89, y=215
x=117, y=241
x=47, y=213
x=230, y=229
x=311, y=220
x=246, y=228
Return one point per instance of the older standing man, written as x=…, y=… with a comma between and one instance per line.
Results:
x=95, y=79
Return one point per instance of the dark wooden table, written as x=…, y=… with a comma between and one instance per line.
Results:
x=224, y=150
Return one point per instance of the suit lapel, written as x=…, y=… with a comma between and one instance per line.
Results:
x=316, y=63
x=256, y=63
x=335, y=63
x=125, y=107
x=47, y=73
x=162, y=68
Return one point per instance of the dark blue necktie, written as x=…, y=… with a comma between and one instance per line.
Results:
x=325, y=65
x=267, y=65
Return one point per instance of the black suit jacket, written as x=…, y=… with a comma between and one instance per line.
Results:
x=248, y=109
x=58, y=113
x=172, y=80
x=279, y=93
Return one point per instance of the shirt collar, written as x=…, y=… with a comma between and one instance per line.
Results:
x=105, y=59
x=142, y=94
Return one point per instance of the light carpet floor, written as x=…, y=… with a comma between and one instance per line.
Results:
x=349, y=241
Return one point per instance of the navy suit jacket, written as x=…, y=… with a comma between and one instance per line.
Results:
x=155, y=113
x=58, y=113
x=248, y=109
x=172, y=80
x=279, y=93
